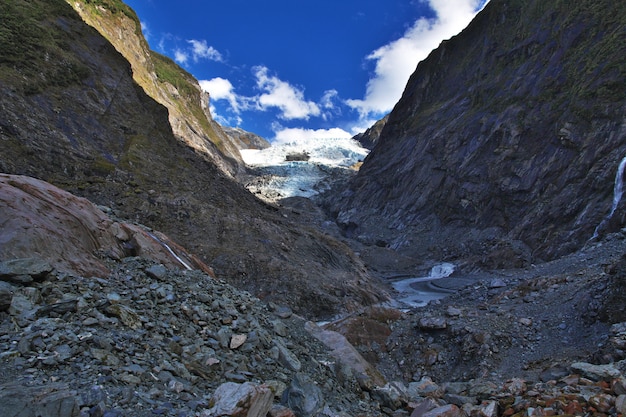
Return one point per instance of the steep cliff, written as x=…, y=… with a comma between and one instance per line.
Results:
x=505, y=144
x=369, y=138
x=163, y=80
x=72, y=115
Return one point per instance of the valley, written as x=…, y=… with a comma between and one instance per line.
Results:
x=470, y=262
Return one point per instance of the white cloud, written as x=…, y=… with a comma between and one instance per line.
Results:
x=222, y=89
x=396, y=61
x=201, y=50
x=180, y=56
x=284, y=96
x=297, y=134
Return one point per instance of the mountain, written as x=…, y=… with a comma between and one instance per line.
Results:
x=369, y=138
x=505, y=145
x=244, y=139
x=164, y=81
x=73, y=114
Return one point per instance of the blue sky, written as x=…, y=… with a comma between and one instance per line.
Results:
x=294, y=69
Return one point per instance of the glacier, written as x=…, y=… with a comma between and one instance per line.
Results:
x=276, y=178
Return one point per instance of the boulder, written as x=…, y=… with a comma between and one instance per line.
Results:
x=54, y=400
x=347, y=355
x=6, y=295
x=303, y=396
x=240, y=400
x=24, y=270
x=596, y=372
x=45, y=227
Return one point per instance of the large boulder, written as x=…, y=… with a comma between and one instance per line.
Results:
x=69, y=233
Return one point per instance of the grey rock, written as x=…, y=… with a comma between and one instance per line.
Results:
x=303, y=396
x=157, y=272
x=24, y=270
x=6, y=295
x=596, y=372
x=449, y=410
x=432, y=323
x=53, y=400
x=393, y=395
x=287, y=358
x=247, y=399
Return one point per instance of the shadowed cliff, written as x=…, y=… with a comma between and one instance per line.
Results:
x=505, y=144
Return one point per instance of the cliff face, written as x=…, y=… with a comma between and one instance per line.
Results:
x=164, y=81
x=369, y=138
x=72, y=115
x=506, y=141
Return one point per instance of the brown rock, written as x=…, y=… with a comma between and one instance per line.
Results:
x=42, y=220
x=449, y=410
x=602, y=402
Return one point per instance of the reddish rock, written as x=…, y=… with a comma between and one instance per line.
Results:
x=69, y=232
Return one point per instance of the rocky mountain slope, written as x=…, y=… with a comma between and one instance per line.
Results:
x=164, y=81
x=506, y=142
x=72, y=115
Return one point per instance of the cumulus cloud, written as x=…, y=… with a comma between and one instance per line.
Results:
x=298, y=134
x=222, y=89
x=284, y=96
x=396, y=61
x=181, y=56
x=201, y=50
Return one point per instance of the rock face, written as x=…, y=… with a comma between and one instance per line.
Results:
x=80, y=122
x=165, y=82
x=244, y=139
x=69, y=232
x=369, y=138
x=506, y=141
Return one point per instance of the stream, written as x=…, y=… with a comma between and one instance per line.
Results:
x=419, y=291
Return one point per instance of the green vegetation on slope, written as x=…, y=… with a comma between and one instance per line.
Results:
x=115, y=7
x=168, y=71
x=27, y=28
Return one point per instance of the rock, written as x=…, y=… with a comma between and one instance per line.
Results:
x=287, y=358
x=526, y=321
x=497, y=283
x=425, y=388
x=22, y=306
x=620, y=404
x=619, y=385
x=52, y=400
x=127, y=315
x=602, y=402
x=366, y=374
x=393, y=395
x=158, y=272
x=515, y=386
x=432, y=323
x=423, y=407
x=237, y=340
x=486, y=409
x=278, y=410
x=24, y=270
x=453, y=311
x=240, y=400
x=596, y=372
x=67, y=232
x=6, y=295
x=303, y=396
x=449, y=410
x=297, y=156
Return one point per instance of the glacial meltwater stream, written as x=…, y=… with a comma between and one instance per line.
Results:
x=417, y=291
